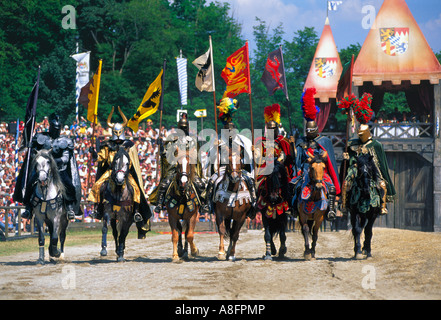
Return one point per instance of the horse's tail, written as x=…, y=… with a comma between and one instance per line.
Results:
x=182, y=227
x=277, y=225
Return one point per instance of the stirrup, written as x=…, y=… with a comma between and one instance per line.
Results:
x=331, y=215
x=137, y=217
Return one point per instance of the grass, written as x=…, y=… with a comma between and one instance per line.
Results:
x=74, y=237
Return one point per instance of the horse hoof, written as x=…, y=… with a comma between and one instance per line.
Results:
x=175, y=259
x=40, y=262
x=103, y=252
x=359, y=256
x=62, y=256
x=267, y=257
x=232, y=258
x=195, y=253
x=307, y=256
x=221, y=256
x=120, y=259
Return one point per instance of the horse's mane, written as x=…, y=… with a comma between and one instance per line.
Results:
x=56, y=179
x=367, y=160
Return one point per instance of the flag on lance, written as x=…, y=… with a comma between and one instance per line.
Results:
x=325, y=67
x=394, y=41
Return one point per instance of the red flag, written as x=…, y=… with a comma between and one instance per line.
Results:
x=237, y=73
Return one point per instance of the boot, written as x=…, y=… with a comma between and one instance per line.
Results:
x=27, y=214
x=331, y=200
x=96, y=212
x=160, y=204
x=250, y=184
x=206, y=208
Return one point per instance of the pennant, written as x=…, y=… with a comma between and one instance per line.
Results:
x=82, y=60
x=182, y=79
x=274, y=75
x=237, y=73
x=149, y=104
x=31, y=109
x=89, y=95
x=204, y=78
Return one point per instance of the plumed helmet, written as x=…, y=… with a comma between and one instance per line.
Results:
x=54, y=126
x=311, y=129
x=272, y=117
x=183, y=122
x=117, y=128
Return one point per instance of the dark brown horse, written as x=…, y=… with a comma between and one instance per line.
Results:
x=231, y=203
x=313, y=202
x=273, y=204
x=182, y=203
x=119, y=201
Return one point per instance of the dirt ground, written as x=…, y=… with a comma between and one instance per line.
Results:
x=405, y=265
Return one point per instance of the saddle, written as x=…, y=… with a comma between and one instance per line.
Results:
x=175, y=198
x=222, y=194
x=310, y=206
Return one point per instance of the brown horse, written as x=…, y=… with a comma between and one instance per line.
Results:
x=182, y=203
x=232, y=202
x=313, y=202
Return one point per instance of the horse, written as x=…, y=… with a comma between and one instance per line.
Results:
x=48, y=204
x=118, y=203
x=313, y=202
x=273, y=204
x=231, y=203
x=364, y=204
x=182, y=203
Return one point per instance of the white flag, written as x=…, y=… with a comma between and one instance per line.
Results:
x=204, y=78
x=182, y=78
x=332, y=5
x=83, y=67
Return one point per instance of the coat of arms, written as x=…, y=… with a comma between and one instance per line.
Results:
x=394, y=41
x=325, y=67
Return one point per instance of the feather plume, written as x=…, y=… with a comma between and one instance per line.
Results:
x=310, y=110
x=272, y=113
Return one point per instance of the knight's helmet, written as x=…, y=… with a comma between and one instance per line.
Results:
x=363, y=113
x=183, y=123
x=310, y=111
x=117, y=128
x=272, y=118
x=54, y=126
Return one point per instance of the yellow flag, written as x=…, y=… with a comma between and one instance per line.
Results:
x=89, y=95
x=149, y=104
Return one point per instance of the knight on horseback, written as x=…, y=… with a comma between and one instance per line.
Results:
x=175, y=143
x=62, y=150
x=229, y=139
x=282, y=151
x=105, y=155
x=365, y=144
x=314, y=143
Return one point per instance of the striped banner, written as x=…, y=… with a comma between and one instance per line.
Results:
x=182, y=77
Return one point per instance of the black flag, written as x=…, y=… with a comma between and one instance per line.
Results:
x=274, y=75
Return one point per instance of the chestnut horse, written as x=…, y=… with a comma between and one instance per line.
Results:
x=231, y=204
x=182, y=203
x=313, y=201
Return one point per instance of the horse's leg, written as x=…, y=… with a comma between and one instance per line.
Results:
x=315, y=230
x=190, y=234
x=267, y=237
x=303, y=219
x=104, y=230
x=176, y=234
x=357, y=227
x=234, y=236
x=40, y=226
x=63, y=228
x=282, y=223
x=53, y=226
x=372, y=215
x=220, y=222
x=113, y=224
x=123, y=232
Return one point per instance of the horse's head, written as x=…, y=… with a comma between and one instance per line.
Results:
x=277, y=184
x=366, y=172
x=184, y=171
x=44, y=165
x=234, y=168
x=120, y=166
x=317, y=165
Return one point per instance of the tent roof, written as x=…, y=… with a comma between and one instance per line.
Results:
x=326, y=67
x=396, y=50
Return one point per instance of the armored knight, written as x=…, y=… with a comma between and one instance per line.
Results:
x=181, y=141
x=105, y=156
x=62, y=149
x=314, y=142
x=228, y=139
x=363, y=145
